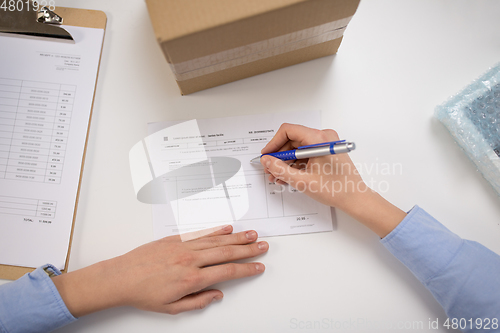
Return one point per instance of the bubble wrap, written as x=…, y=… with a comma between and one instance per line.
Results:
x=473, y=118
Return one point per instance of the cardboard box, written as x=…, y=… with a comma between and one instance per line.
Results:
x=211, y=42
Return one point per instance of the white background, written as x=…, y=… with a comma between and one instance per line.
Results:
x=399, y=59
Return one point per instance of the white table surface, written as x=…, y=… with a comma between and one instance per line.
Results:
x=399, y=59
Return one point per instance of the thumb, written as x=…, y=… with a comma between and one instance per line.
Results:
x=193, y=302
x=282, y=171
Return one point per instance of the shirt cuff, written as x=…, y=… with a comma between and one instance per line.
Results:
x=422, y=244
x=33, y=304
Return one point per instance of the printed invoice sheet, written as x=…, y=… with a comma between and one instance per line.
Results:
x=205, y=170
x=46, y=94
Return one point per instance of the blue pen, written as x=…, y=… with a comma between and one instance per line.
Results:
x=316, y=150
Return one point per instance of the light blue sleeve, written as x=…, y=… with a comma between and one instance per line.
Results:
x=33, y=304
x=463, y=275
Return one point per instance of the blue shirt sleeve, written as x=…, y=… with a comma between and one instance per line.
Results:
x=33, y=304
x=463, y=275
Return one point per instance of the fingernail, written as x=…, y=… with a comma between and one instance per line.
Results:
x=259, y=267
x=227, y=227
x=251, y=235
x=217, y=298
x=262, y=245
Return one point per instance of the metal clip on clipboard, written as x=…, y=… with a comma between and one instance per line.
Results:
x=39, y=24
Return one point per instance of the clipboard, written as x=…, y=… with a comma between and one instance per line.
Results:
x=73, y=17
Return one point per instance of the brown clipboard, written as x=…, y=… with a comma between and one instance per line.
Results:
x=81, y=18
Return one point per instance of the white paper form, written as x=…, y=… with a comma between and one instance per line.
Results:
x=46, y=94
x=254, y=202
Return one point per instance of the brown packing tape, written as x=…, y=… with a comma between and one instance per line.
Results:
x=259, y=67
x=82, y=18
x=252, y=29
x=260, y=50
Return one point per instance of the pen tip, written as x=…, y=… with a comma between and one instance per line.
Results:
x=255, y=160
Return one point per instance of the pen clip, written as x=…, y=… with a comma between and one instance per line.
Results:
x=322, y=144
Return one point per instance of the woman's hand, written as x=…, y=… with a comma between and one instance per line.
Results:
x=163, y=276
x=332, y=180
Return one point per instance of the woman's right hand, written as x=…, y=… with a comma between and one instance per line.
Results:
x=332, y=180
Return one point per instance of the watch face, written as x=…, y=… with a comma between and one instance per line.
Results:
x=48, y=270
